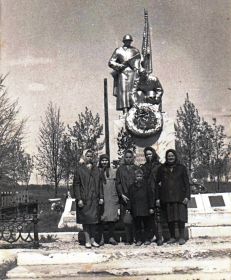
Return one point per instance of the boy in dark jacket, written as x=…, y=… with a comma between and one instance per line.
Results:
x=141, y=205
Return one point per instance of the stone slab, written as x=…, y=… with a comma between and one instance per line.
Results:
x=123, y=267
x=194, y=276
x=37, y=258
x=211, y=231
x=201, y=258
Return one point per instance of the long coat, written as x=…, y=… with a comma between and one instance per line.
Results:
x=125, y=177
x=140, y=199
x=172, y=186
x=150, y=172
x=87, y=187
x=111, y=198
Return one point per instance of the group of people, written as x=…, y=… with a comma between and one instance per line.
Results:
x=138, y=196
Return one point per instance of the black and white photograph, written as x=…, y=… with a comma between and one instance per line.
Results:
x=115, y=139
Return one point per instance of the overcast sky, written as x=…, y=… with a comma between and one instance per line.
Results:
x=58, y=50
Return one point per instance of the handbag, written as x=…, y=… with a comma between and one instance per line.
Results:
x=128, y=218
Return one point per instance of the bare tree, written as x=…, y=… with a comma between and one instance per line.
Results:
x=220, y=153
x=204, y=150
x=11, y=133
x=67, y=159
x=186, y=131
x=48, y=159
x=85, y=134
x=201, y=147
x=26, y=166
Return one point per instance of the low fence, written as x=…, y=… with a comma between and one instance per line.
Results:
x=18, y=218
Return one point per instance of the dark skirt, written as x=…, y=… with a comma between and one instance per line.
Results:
x=89, y=213
x=176, y=212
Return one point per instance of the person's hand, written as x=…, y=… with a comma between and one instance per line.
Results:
x=125, y=198
x=101, y=201
x=158, y=99
x=185, y=201
x=80, y=203
x=158, y=203
x=151, y=211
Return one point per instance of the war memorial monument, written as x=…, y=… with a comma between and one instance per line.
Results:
x=139, y=98
x=138, y=94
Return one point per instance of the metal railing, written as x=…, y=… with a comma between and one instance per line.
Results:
x=18, y=218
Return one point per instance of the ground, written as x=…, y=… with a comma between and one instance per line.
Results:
x=63, y=257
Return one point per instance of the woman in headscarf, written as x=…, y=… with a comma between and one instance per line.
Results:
x=125, y=177
x=88, y=192
x=150, y=168
x=111, y=200
x=173, y=194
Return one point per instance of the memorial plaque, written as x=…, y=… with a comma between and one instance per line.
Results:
x=73, y=206
x=216, y=201
x=192, y=203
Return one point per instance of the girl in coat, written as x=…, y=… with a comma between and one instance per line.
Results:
x=125, y=177
x=150, y=168
x=173, y=194
x=111, y=199
x=141, y=205
x=88, y=192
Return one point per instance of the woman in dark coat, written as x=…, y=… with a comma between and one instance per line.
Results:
x=141, y=205
x=150, y=168
x=174, y=194
x=111, y=200
x=125, y=177
x=88, y=192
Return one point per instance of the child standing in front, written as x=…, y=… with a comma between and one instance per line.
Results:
x=141, y=206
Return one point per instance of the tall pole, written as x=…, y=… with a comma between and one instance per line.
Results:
x=107, y=147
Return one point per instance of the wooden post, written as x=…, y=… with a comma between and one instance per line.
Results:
x=35, y=222
x=107, y=146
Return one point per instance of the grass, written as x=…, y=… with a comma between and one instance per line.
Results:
x=212, y=187
x=49, y=219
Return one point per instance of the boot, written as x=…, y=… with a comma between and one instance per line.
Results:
x=181, y=232
x=138, y=243
x=87, y=239
x=159, y=242
x=171, y=240
x=94, y=243
x=112, y=241
x=101, y=243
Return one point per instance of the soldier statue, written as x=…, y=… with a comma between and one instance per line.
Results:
x=125, y=62
x=149, y=89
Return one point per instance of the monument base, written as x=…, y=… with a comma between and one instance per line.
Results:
x=161, y=142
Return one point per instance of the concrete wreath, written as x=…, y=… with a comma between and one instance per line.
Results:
x=144, y=119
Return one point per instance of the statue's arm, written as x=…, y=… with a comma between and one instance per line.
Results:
x=158, y=89
x=113, y=62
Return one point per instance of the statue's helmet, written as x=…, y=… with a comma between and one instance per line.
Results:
x=127, y=37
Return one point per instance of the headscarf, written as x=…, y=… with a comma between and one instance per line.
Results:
x=166, y=154
x=104, y=156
